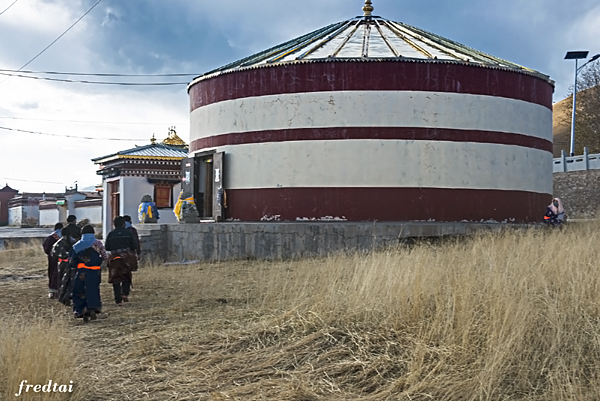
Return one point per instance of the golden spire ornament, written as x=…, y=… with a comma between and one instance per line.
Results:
x=368, y=8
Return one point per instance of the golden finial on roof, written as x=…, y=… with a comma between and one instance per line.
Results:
x=153, y=140
x=368, y=8
x=173, y=139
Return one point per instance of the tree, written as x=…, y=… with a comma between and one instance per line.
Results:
x=587, y=120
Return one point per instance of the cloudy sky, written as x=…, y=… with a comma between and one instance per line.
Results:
x=44, y=124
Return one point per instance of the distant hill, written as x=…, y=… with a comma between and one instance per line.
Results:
x=561, y=133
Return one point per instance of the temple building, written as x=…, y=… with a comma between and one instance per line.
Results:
x=371, y=119
x=128, y=175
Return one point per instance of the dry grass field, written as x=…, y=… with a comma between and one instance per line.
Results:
x=513, y=316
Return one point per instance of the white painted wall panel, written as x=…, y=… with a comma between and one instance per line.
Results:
x=92, y=213
x=49, y=217
x=133, y=188
x=372, y=109
x=389, y=163
x=15, y=216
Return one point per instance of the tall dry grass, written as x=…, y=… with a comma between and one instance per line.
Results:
x=510, y=316
x=22, y=251
x=37, y=349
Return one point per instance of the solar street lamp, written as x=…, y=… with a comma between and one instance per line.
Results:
x=577, y=55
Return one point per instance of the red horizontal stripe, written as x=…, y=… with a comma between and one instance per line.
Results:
x=387, y=204
x=383, y=75
x=382, y=133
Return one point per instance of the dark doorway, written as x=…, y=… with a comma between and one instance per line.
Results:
x=115, y=199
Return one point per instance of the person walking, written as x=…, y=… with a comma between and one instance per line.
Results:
x=61, y=250
x=136, y=237
x=122, y=260
x=52, y=260
x=74, y=229
x=87, y=256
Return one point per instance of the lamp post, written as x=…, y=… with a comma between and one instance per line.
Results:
x=576, y=55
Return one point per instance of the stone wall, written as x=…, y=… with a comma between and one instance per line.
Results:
x=580, y=193
x=281, y=240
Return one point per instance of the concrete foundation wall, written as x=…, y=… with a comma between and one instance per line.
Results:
x=222, y=241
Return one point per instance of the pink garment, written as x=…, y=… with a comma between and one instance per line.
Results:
x=557, y=210
x=99, y=247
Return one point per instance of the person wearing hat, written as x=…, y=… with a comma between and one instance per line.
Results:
x=53, y=280
x=87, y=256
x=122, y=260
x=74, y=229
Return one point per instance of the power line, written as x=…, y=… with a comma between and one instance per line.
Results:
x=6, y=9
x=60, y=36
x=97, y=82
x=70, y=136
x=86, y=122
x=102, y=75
x=41, y=182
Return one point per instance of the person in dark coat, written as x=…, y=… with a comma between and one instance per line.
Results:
x=61, y=250
x=87, y=256
x=136, y=237
x=74, y=229
x=122, y=260
x=52, y=261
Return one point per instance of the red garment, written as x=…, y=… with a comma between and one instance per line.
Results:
x=120, y=266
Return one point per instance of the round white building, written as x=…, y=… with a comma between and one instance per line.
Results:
x=370, y=119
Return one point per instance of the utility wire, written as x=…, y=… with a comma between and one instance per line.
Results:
x=56, y=40
x=41, y=182
x=101, y=75
x=71, y=136
x=6, y=9
x=86, y=121
x=96, y=82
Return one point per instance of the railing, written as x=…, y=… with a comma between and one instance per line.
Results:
x=564, y=164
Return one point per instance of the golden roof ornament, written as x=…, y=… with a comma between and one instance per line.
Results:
x=173, y=139
x=153, y=140
x=368, y=8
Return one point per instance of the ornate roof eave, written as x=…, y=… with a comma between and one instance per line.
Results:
x=371, y=60
x=127, y=154
x=134, y=157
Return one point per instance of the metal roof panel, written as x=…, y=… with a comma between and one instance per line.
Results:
x=368, y=38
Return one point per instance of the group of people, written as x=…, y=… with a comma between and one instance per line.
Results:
x=75, y=260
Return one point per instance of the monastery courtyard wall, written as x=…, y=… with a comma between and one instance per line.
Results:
x=275, y=240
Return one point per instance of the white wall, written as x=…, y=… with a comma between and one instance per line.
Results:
x=49, y=217
x=71, y=199
x=133, y=188
x=92, y=213
x=372, y=109
x=20, y=215
x=15, y=215
x=388, y=163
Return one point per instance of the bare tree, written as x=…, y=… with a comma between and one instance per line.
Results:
x=587, y=120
